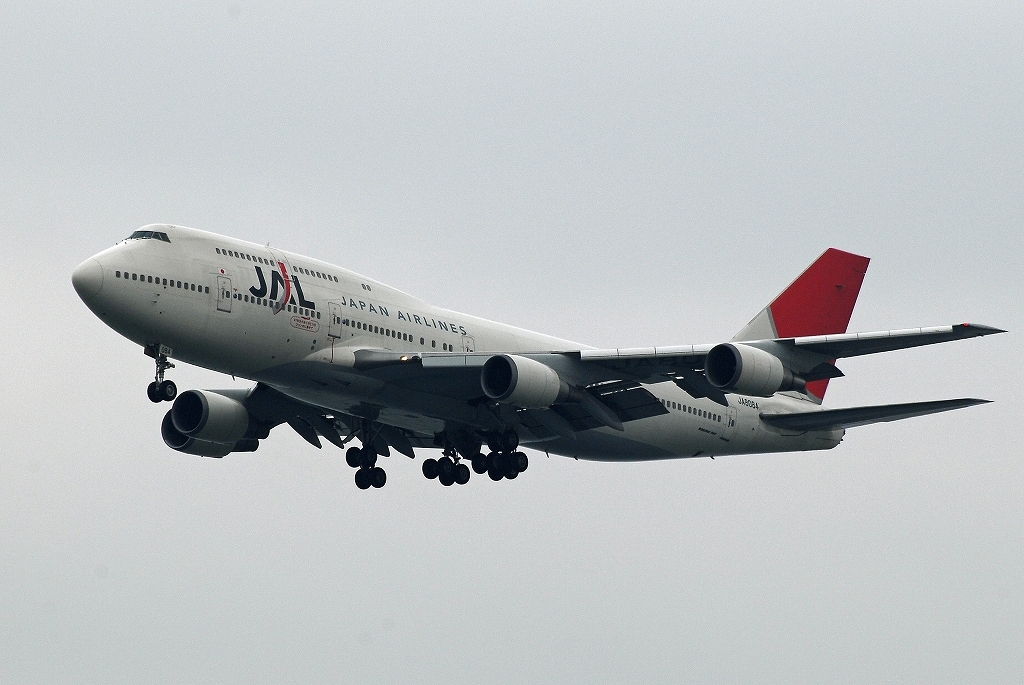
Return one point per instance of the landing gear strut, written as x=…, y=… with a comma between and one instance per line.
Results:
x=160, y=390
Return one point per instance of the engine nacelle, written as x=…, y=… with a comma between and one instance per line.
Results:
x=180, y=442
x=748, y=370
x=210, y=417
x=521, y=381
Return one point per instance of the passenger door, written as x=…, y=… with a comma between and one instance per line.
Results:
x=334, y=327
x=224, y=294
x=730, y=424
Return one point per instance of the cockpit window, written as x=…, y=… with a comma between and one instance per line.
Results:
x=146, y=235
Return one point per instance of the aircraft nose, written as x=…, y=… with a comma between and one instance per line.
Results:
x=88, y=279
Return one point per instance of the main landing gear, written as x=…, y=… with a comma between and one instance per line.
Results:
x=448, y=470
x=503, y=461
x=160, y=390
x=368, y=474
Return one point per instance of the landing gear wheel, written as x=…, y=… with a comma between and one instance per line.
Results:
x=445, y=467
x=461, y=474
x=446, y=479
x=494, y=474
x=493, y=442
x=167, y=391
x=367, y=457
x=363, y=479
x=511, y=471
x=521, y=461
x=430, y=468
x=352, y=457
x=479, y=464
x=377, y=477
x=153, y=391
x=509, y=441
x=499, y=461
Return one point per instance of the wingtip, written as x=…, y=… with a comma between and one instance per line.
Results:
x=981, y=329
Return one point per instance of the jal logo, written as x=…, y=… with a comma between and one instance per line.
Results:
x=279, y=280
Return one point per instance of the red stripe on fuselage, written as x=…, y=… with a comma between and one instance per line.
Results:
x=287, y=285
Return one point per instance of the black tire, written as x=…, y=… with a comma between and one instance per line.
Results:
x=362, y=479
x=480, y=464
x=511, y=472
x=153, y=392
x=498, y=461
x=446, y=479
x=461, y=474
x=352, y=457
x=368, y=457
x=430, y=468
x=509, y=441
x=167, y=391
x=521, y=461
x=378, y=477
x=493, y=442
x=445, y=466
x=495, y=474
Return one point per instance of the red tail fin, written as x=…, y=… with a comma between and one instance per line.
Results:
x=819, y=302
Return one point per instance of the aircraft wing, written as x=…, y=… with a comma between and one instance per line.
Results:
x=654, y=361
x=613, y=379
x=826, y=419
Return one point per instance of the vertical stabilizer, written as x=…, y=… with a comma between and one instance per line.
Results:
x=819, y=302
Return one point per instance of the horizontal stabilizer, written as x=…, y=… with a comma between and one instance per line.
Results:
x=828, y=419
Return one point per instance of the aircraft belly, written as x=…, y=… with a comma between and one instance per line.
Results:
x=599, y=445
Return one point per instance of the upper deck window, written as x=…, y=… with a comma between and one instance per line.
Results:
x=147, y=235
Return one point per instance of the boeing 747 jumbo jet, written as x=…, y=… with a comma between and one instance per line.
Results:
x=343, y=357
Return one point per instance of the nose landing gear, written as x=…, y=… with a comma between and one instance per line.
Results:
x=161, y=390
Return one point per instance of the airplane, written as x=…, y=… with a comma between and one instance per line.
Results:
x=341, y=356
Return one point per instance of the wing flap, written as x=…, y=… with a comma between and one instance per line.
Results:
x=828, y=419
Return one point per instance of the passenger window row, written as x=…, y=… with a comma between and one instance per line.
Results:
x=693, y=410
x=267, y=262
x=389, y=332
x=243, y=255
x=168, y=283
x=316, y=274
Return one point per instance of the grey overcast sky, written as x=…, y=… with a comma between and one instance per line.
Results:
x=627, y=174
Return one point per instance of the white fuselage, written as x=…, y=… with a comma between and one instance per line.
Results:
x=216, y=302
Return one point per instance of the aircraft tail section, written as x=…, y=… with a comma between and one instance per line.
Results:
x=819, y=302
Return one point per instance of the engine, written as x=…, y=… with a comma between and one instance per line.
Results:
x=748, y=370
x=522, y=382
x=207, y=424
